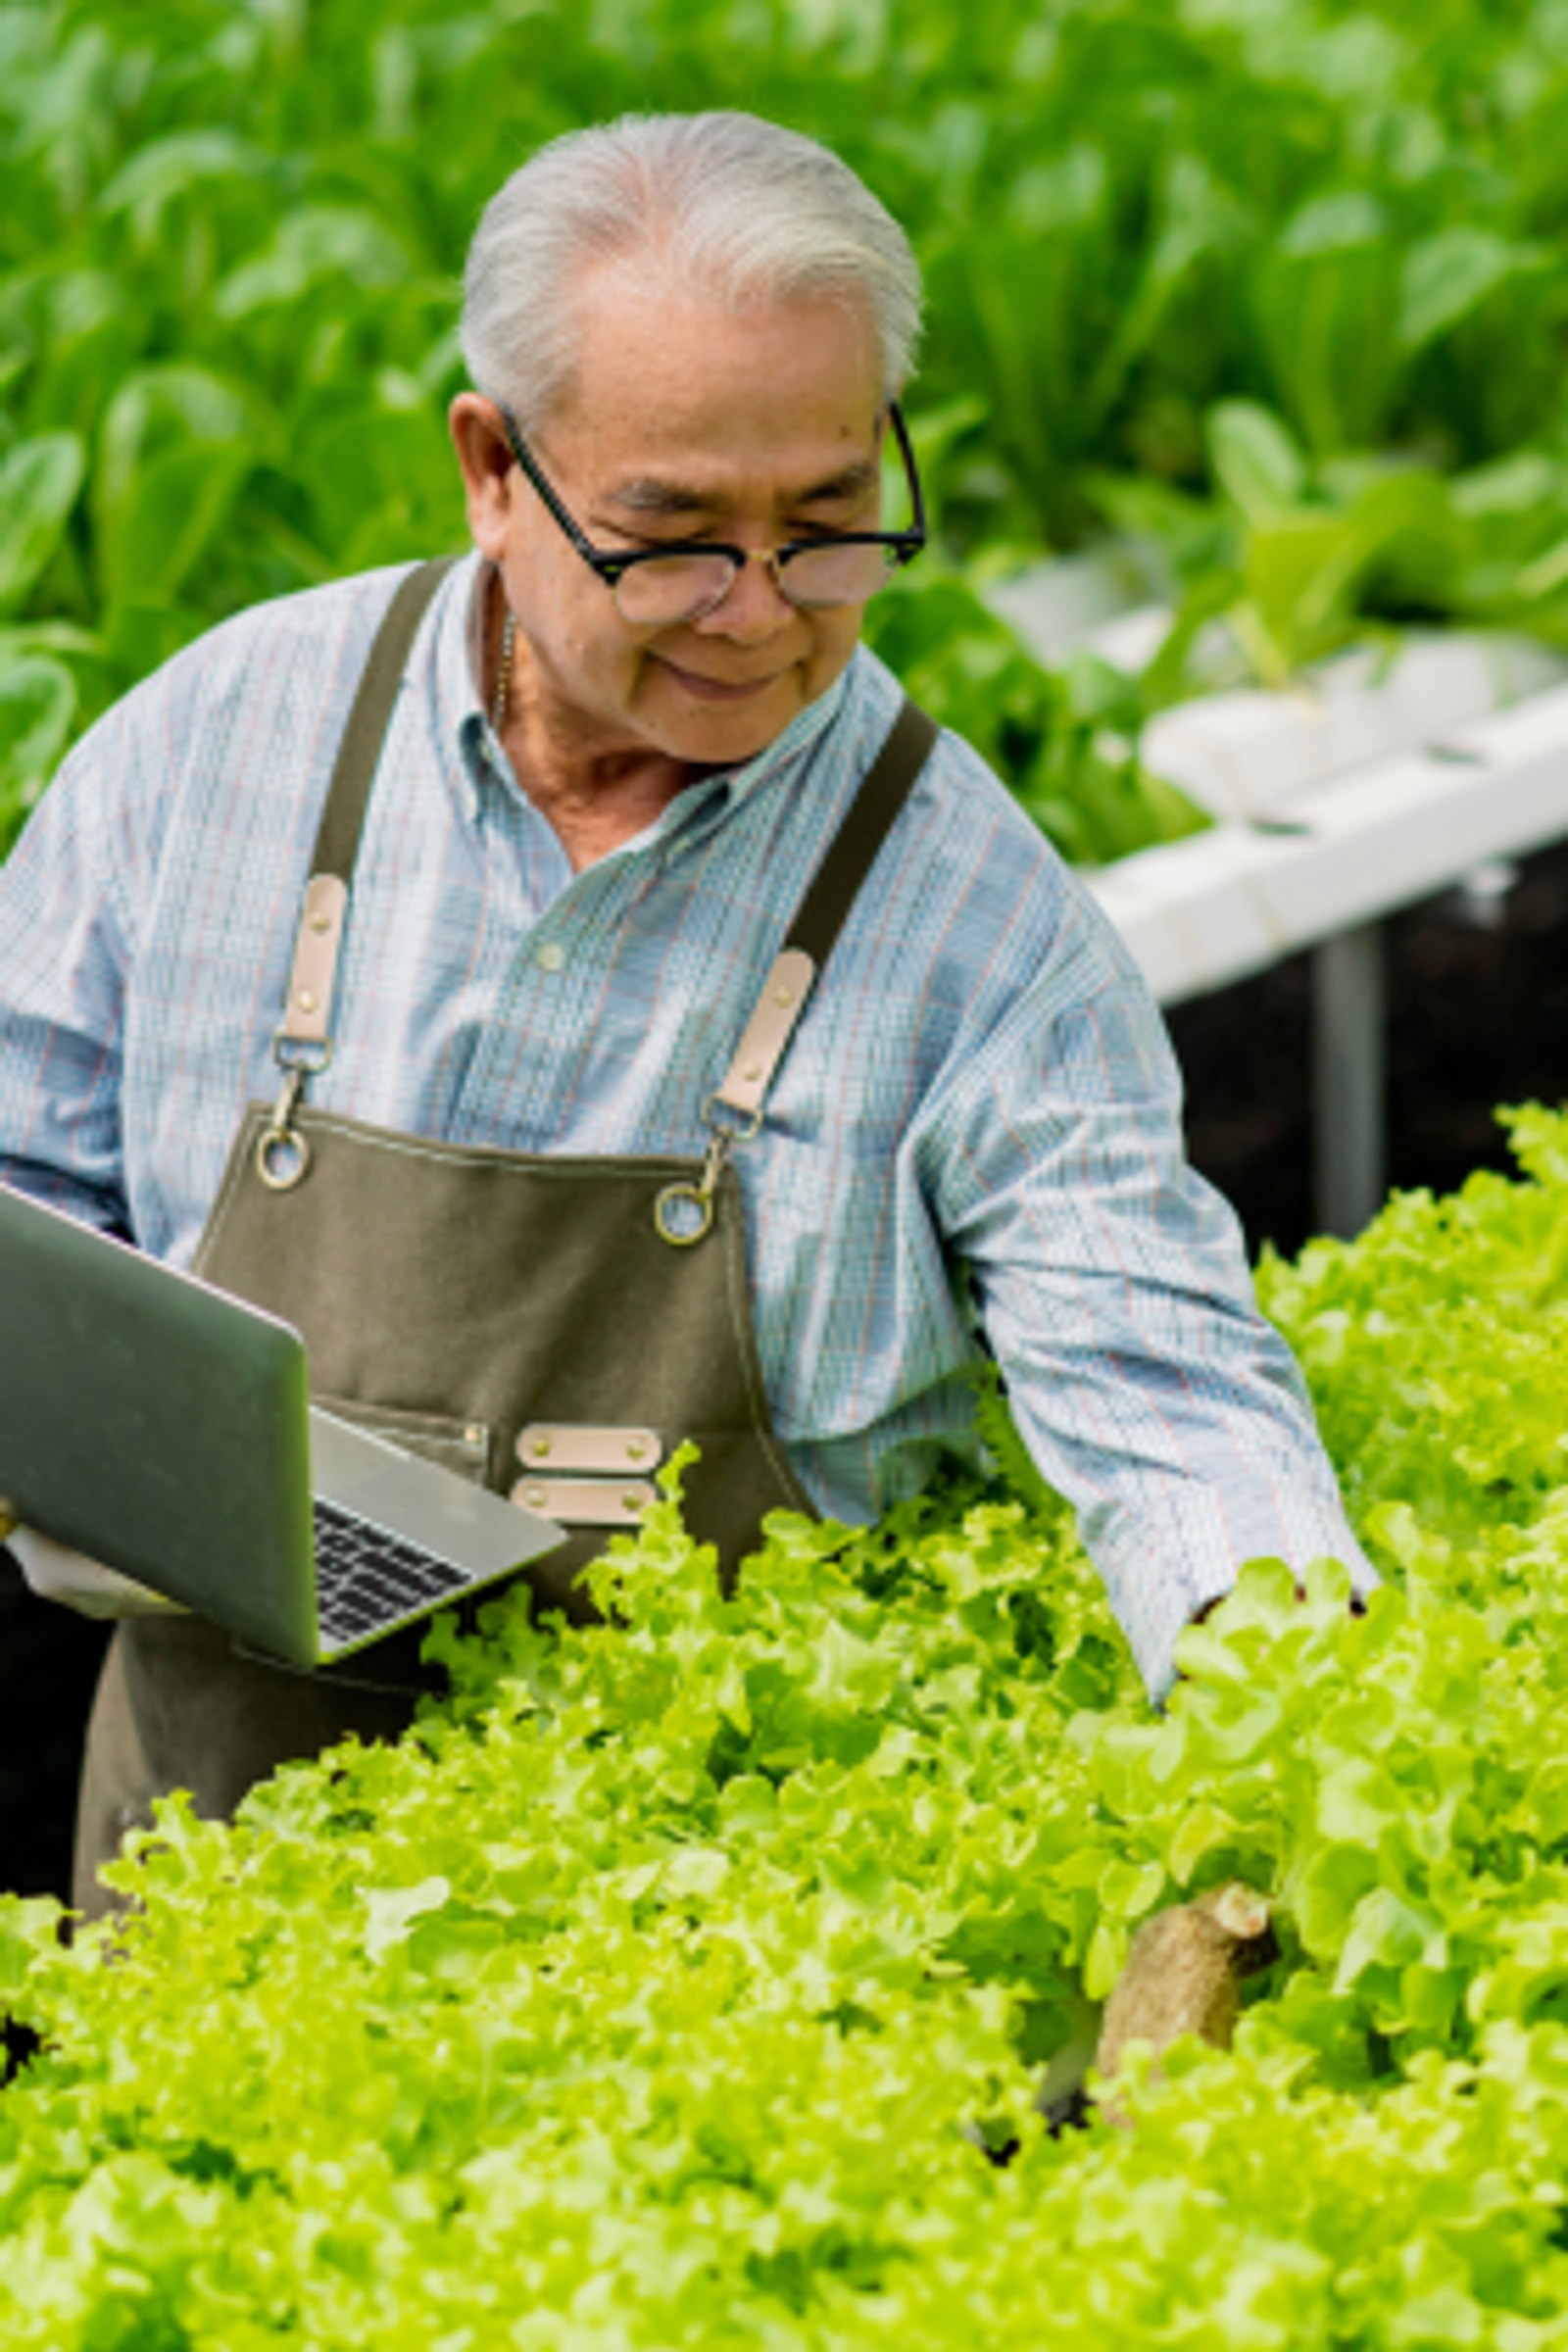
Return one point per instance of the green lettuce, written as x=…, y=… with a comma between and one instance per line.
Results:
x=686, y=1979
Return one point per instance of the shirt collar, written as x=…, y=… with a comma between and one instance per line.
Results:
x=462, y=714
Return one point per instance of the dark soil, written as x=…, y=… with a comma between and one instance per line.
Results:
x=1477, y=1017
x=49, y=1661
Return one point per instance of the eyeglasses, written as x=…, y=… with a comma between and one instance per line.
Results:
x=657, y=587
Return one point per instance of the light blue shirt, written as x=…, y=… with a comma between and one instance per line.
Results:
x=980, y=1108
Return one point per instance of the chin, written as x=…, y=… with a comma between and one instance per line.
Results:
x=726, y=735
x=733, y=746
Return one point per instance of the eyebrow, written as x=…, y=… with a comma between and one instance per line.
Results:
x=652, y=495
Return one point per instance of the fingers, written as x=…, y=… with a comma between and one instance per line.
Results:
x=74, y=1582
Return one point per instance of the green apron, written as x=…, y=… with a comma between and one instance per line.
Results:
x=552, y=1327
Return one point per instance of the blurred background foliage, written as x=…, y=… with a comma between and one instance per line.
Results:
x=1273, y=289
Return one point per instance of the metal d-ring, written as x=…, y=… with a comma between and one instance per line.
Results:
x=282, y=1158
x=698, y=1196
x=671, y=1201
x=282, y=1154
x=701, y=1195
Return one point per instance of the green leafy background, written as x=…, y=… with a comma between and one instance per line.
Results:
x=1274, y=287
x=668, y=1982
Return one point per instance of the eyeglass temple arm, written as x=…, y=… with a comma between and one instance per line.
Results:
x=542, y=485
x=901, y=434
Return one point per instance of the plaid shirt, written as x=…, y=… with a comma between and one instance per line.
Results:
x=980, y=1108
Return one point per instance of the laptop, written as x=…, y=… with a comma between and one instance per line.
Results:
x=164, y=1428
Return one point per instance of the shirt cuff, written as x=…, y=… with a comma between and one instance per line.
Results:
x=1160, y=1572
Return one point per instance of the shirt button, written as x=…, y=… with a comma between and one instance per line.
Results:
x=551, y=956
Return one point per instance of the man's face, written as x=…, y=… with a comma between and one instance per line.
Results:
x=682, y=423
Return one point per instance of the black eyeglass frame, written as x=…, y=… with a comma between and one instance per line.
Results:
x=613, y=563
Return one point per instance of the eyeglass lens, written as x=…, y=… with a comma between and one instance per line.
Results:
x=683, y=587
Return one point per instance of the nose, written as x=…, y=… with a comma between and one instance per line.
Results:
x=753, y=608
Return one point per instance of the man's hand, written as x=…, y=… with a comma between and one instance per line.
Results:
x=56, y=1573
x=1356, y=1604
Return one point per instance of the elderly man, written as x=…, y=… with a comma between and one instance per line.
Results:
x=632, y=1020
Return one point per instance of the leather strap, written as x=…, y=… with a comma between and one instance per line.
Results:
x=313, y=974
x=349, y=793
x=888, y=783
x=821, y=913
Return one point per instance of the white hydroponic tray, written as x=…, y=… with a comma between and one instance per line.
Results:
x=1385, y=777
x=1326, y=854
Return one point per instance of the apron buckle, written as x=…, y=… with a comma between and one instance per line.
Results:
x=683, y=1213
x=282, y=1154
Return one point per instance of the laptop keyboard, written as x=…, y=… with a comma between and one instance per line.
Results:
x=366, y=1578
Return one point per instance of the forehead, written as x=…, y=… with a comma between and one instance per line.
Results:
x=666, y=380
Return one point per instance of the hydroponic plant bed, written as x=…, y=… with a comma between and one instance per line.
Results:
x=654, y=1991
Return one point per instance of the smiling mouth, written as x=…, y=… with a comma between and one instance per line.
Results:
x=720, y=690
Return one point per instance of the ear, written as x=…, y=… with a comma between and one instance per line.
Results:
x=480, y=440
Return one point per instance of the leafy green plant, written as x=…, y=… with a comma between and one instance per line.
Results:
x=1296, y=560
x=657, y=1987
x=230, y=233
x=1065, y=740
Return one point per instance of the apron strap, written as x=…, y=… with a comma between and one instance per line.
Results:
x=821, y=913
x=303, y=1038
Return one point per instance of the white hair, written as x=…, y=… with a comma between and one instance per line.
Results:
x=732, y=208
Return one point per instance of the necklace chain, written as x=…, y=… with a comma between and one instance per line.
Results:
x=503, y=692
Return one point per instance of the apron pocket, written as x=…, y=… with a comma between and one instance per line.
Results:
x=441, y=1438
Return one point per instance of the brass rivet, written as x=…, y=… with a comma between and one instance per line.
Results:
x=320, y=922
x=537, y=1497
x=306, y=1000
x=752, y=1072
x=636, y=1450
x=784, y=996
x=540, y=1450
x=476, y=1434
x=632, y=1502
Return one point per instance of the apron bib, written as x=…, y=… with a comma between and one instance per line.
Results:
x=551, y=1327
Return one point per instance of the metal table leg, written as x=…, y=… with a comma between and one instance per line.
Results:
x=1348, y=1079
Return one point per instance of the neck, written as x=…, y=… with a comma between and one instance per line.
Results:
x=596, y=792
